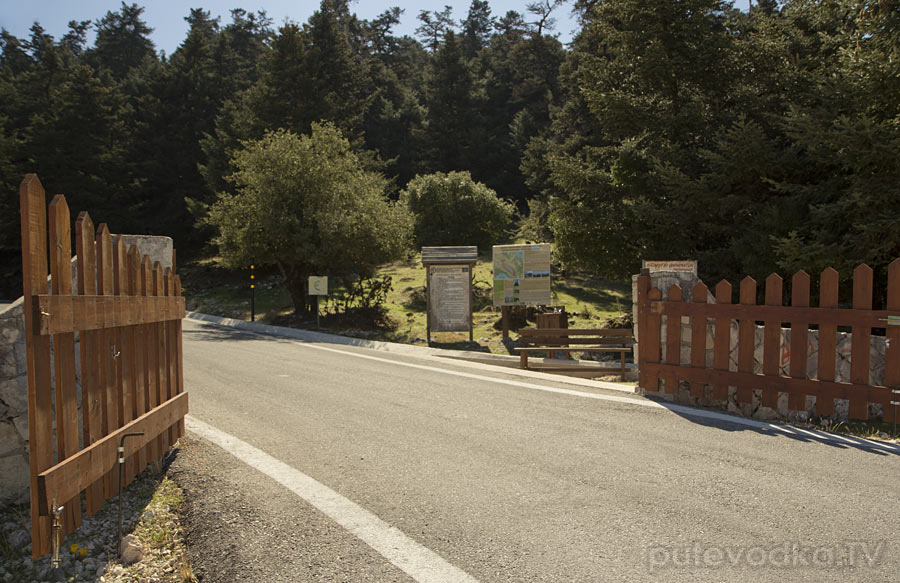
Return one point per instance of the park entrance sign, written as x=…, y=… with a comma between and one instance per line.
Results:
x=522, y=275
x=448, y=288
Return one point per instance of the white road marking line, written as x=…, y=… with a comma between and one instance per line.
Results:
x=820, y=436
x=417, y=561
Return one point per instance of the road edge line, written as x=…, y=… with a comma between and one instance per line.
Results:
x=411, y=557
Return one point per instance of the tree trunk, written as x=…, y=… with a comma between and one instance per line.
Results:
x=296, y=280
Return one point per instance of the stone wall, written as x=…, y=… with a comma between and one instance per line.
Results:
x=14, y=470
x=14, y=476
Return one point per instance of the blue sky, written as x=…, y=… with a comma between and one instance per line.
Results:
x=166, y=17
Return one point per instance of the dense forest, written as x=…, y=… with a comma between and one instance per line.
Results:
x=758, y=141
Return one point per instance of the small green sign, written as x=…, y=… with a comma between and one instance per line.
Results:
x=318, y=285
x=893, y=320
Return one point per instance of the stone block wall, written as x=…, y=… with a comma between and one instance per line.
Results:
x=14, y=474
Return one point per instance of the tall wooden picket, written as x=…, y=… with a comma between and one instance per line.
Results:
x=799, y=338
x=91, y=402
x=33, y=205
x=673, y=341
x=722, y=340
x=828, y=298
x=64, y=348
x=772, y=339
x=151, y=355
x=136, y=340
x=110, y=313
x=746, y=338
x=698, y=336
x=862, y=339
x=161, y=362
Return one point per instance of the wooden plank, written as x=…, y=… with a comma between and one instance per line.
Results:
x=574, y=332
x=862, y=339
x=781, y=384
x=891, y=413
x=698, y=336
x=90, y=348
x=124, y=363
x=673, y=341
x=171, y=355
x=800, y=284
x=71, y=476
x=570, y=349
x=838, y=317
x=33, y=214
x=64, y=350
x=643, y=306
x=108, y=349
x=722, y=339
x=650, y=349
x=562, y=341
x=162, y=370
x=61, y=314
x=828, y=298
x=772, y=338
x=151, y=355
x=746, y=338
x=136, y=341
x=179, y=350
x=564, y=368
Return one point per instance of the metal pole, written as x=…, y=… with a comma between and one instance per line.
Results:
x=252, y=295
x=317, y=312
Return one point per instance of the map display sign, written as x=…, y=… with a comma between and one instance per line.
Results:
x=522, y=275
x=449, y=288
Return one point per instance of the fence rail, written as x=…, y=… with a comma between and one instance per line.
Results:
x=712, y=376
x=126, y=323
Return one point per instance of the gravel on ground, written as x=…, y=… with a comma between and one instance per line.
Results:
x=150, y=522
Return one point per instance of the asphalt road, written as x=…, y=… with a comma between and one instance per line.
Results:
x=509, y=483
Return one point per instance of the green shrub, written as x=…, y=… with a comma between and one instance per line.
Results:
x=453, y=209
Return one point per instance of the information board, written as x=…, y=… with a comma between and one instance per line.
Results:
x=522, y=275
x=449, y=290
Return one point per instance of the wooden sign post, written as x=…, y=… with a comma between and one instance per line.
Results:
x=448, y=288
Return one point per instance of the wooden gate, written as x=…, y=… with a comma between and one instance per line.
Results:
x=731, y=365
x=124, y=330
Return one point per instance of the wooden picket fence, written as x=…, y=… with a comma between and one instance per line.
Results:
x=127, y=317
x=798, y=384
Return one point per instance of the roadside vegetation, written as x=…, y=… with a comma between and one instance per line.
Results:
x=400, y=316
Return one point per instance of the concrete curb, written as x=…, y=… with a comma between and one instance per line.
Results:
x=478, y=360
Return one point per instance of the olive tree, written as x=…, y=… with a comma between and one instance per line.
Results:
x=306, y=204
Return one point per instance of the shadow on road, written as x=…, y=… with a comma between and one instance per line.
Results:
x=727, y=422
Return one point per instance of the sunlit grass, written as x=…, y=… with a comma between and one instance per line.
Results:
x=588, y=301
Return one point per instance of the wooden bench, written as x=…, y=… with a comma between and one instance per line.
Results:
x=569, y=340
